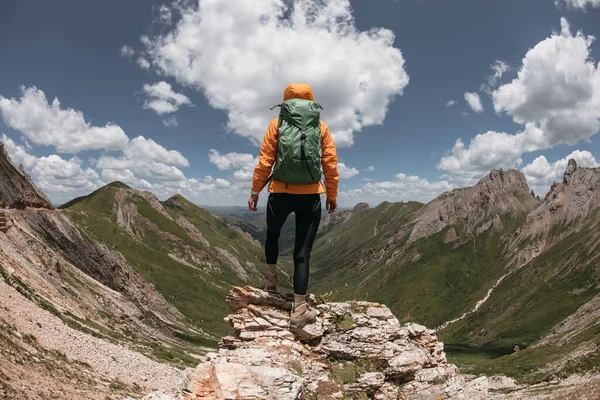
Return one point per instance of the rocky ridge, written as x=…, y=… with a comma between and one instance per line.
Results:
x=352, y=349
x=480, y=206
x=567, y=204
x=17, y=189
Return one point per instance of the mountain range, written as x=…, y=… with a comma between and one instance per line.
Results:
x=509, y=281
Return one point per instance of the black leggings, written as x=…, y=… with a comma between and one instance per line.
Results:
x=307, y=208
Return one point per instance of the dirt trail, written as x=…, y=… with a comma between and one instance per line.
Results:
x=477, y=306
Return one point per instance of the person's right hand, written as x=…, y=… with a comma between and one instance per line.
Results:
x=253, y=202
x=331, y=206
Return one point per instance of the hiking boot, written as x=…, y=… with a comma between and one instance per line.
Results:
x=302, y=315
x=269, y=284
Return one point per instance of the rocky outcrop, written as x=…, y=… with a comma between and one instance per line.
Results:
x=352, y=348
x=500, y=193
x=565, y=208
x=17, y=189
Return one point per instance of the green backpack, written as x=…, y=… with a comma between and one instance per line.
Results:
x=299, y=146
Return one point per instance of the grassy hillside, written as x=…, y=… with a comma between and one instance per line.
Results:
x=528, y=304
x=193, y=275
x=428, y=281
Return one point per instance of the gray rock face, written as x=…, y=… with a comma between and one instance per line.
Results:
x=571, y=168
x=17, y=190
x=499, y=193
x=566, y=204
x=352, y=348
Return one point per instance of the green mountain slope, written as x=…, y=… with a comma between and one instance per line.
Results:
x=493, y=266
x=548, y=305
x=190, y=256
x=428, y=263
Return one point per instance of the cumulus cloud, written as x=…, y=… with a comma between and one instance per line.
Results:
x=450, y=103
x=126, y=176
x=170, y=121
x=143, y=150
x=143, y=63
x=229, y=161
x=162, y=99
x=555, y=97
x=147, y=159
x=474, y=101
x=557, y=88
x=242, y=54
x=489, y=151
x=371, y=168
x=165, y=16
x=242, y=163
x=51, y=125
x=346, y=172
x=403, y=188
x=126, y=51
x=579, y=4
x=18, y=153
x=59, y=177
x=499, y=68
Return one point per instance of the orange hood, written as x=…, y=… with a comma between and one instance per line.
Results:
x=298, y=91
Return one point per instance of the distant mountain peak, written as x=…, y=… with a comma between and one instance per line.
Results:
x=119, y=185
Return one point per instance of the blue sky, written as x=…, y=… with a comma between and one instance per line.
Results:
x=172, y=97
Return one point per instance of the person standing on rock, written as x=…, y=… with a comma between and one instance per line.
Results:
x=296, y=152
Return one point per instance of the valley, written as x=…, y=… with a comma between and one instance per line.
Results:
x=510, y=281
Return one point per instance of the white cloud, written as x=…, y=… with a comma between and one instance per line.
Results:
x=162, y=99
x=474, y=101
x=127, y=177
x=450, y=103
x=489, y=151
x=403, y=188
x=541, y=174
x=346, y=172
x=229, y=161
x=243, y=175
x=243, y=163
x=579, y=4
x=165, y=15
x=126, y=51
x=61, y=179
x=148, y=170
x=147, y=159
x=371, y=168
x=49, y=124
x=499, y=68
x=170, y=121
x=18, y=153
x=557, y=88
x=141, y=149
x=556, y=97
x=143, y=63
x=242, y=54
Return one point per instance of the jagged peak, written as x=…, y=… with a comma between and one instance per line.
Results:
x=497, y=181
x=504, y=179
x=571, y=168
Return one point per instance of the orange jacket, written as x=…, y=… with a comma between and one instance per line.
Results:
x=268, y=155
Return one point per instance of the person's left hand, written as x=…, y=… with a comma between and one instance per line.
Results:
x=253, y=202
